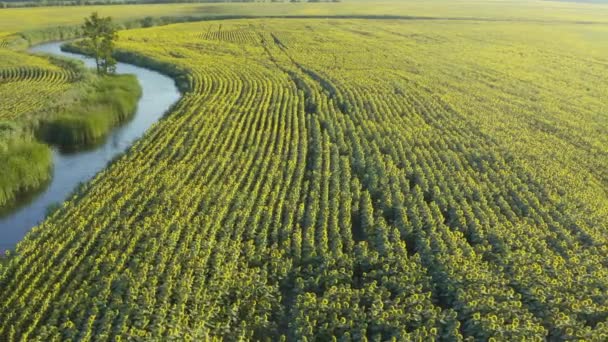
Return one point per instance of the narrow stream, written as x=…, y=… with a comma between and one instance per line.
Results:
x=159, y=93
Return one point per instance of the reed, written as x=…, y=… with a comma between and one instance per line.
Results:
x=25, y=164
x=110, y=102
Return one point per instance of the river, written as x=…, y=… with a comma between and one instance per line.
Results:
x=70, y=169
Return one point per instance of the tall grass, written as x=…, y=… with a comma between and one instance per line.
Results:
x=111, y=101
x=25, y=164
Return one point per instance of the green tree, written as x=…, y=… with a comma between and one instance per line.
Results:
x=100, y=35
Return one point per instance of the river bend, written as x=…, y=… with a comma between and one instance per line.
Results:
x=159, y=93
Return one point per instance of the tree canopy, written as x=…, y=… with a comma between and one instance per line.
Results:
x=100, y=36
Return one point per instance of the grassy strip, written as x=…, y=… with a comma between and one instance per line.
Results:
x=179, y=75
x=25, y=165
x=111, y=101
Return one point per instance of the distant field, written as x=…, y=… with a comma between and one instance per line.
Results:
x=23, y=19
x=353, y=178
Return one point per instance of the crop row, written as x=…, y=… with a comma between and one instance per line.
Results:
x=239, y=35
x=30, y=84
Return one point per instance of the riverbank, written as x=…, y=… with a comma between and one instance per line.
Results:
x=78, y=118
x=70, y=169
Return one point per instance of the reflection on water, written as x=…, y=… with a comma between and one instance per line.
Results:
x=71, y=168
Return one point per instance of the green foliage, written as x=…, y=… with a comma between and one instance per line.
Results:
x=111, y=101
x=99, y=37
x=24, y=165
